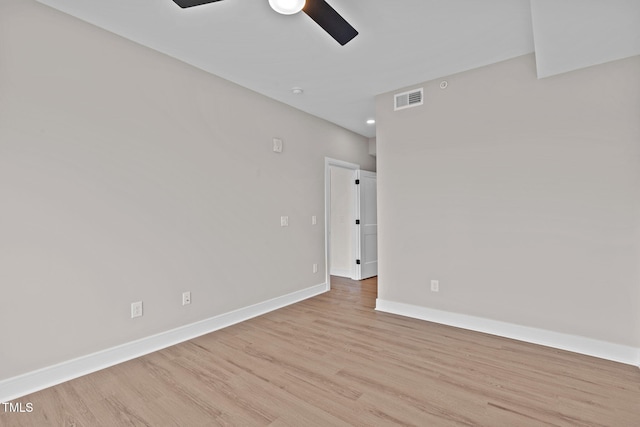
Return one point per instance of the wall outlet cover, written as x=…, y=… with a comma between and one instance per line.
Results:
x=136, y=309
x=435, y=286
x=277, y=145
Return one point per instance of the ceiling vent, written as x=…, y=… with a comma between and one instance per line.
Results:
x=412, y=98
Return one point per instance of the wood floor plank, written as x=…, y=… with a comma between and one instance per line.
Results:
x=333, y=360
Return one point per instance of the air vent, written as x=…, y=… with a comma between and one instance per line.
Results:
x=412, y=98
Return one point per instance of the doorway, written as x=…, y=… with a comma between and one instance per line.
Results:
x=350, y=221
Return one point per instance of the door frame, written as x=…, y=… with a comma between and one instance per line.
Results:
x=328, y=162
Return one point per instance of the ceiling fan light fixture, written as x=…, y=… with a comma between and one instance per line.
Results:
x=287, y=7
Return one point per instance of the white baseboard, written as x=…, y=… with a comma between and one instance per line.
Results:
x=577, y=344
x=341, y=273
x=31, y=382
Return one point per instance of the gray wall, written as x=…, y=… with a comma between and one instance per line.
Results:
x=520, y=195
x=126, y=175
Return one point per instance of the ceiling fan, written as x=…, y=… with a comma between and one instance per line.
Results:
x=318, y=10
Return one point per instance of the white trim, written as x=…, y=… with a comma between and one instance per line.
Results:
x=577, y=344
x=340, y=163
x=328, y=161
x=341, y=272
x=31, y=382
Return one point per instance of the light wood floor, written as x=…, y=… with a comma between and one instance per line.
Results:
x=331, y=361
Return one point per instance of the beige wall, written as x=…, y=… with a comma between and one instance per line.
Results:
x=126, y=175
x=520, y=195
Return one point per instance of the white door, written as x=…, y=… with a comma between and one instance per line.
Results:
x=367, y=229
x=341, y=222
x=350, y=237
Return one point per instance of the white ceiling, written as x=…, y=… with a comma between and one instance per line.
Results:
x=573, y=34
x=400, y=43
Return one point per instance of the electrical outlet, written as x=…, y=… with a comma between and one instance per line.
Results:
x=136, y=309
x=435, y=286
x=315, y=268
x=277, y=145
x=284, y=221
x=314, y=220
x=186, y=298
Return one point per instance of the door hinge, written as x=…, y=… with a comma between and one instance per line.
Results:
x=358, y=261
x=357, y=222
x=357, y=182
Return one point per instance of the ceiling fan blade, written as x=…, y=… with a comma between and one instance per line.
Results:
x=190, y=3
x=330, y=20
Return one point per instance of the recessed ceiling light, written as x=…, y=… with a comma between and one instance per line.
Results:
x=371, y=122
x=287, y=7
x=297, y=90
